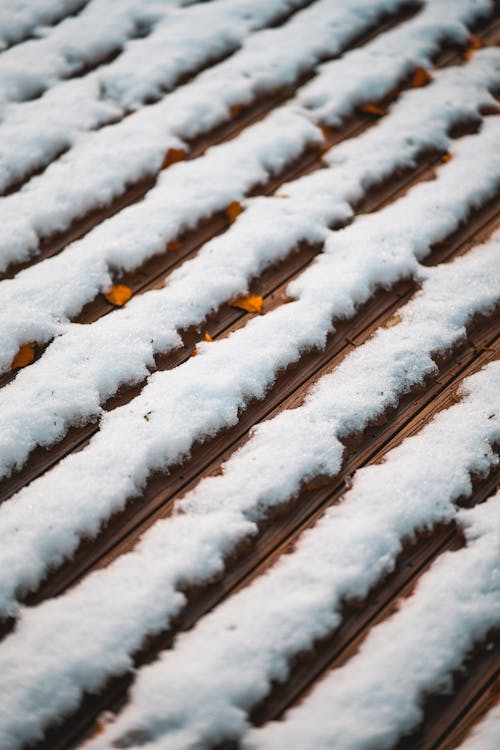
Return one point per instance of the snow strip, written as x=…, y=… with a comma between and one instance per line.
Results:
x=75, y=642
x=100, y=29
x=181, y=41
x=186, y=404
x=36, y=303
x=101, y=165
x=46, y=398
x=369, y=72
x=365, y=704
x=485, y=734
x=134, y=148
x=22, y=19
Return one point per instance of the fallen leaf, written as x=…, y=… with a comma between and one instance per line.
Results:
x=446, y=157
x=234, y=210
x=174, y=245
x=194, y=352
x=250, y=303
x=394, y=321
x=208, y=337
x=172, y=156
x=25, y=355
x=235, y=109
x=103, y=722
x=474, y=44
x=421, y=77
x=372, y=109
x=118, y=294
x=281, y=195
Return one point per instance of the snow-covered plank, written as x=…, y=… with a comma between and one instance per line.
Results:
x=485, y=734
x=101, y=165
x=182, y=41
x=57, y=288
x=22, y=19
x=378, y=67
x=45, y=399
x=344, y=555
x=187, y=404
x=100, y=29
x=377, y=696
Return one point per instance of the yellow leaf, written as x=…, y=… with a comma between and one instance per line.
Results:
x=372, y=109
x=474, y=44
x=233, y=210
x=174, y=245
x=421, y=77
x=235, y=109
x=172, y=156
x=25, y=355
x=208, y=337
x=250, y=303
x=394, y=321
x=118, y=294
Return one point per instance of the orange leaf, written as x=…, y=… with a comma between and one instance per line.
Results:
x=250, y=303
x=174, y=245
x=172, y=156
x=233, y=210
x=118, y=294
x=25, y=355
x=446, y=157
x=474, y=44
x=194, y=352
x=235, y=109
x=208, y=337
x=394, y=321
x=421, y=77
x=372, y=109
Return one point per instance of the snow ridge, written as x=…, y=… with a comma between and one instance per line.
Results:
x=102, y=164
x=120, y=347
x=454, y=606
x=357, y=541
x=180, y=41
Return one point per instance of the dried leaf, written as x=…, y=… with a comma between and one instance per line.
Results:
x=118, y=294
x=281, y=195
x=474, y=44
x=103, y=722
x=25, y=355
x=208, y=337
x=174, y=245
x=446, y=157
x=234, y=210
x=250, y=303
x=235, y=109
x=372, y=109
x=394, y=321
x=421, y=77
x=194, y=352
x=172, y=156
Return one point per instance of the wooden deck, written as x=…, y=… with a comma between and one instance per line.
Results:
x=447, y=719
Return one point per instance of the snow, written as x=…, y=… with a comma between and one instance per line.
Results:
x=76, y=641
x=41, y=403
x=378, y=67
x=192, y=37
x=25, y=17
x=364, y=704
x=187, y=404
x=485, y=734
x=134, y=148
x=100, y=29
